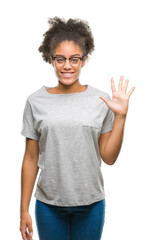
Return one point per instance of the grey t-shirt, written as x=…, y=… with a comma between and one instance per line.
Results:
x=67, y=128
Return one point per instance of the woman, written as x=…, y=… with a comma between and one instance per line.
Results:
x=69, y=130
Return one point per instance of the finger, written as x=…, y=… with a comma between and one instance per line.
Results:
x=30, y=229
x=125, y=85
x=131, y=91
x=105, y=100
x=113, y=89
x=23, y=232
x=120, y=83
x=28, y=236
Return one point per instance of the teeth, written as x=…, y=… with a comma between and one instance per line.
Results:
x=67, y=74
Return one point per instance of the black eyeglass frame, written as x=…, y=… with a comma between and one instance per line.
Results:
x=53, y=58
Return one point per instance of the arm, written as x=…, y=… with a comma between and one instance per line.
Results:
x=110, y=142
x=28, y=173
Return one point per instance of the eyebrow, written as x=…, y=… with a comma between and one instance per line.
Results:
x=58, y=55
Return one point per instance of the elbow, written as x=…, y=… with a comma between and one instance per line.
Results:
x=109, y=161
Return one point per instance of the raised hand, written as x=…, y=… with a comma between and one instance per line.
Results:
x=120, y=99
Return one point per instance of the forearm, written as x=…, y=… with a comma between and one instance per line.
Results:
x=28, y=177
x=113, y=145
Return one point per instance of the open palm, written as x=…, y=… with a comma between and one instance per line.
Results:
x=120, y=99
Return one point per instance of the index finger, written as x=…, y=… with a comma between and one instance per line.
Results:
x=23, y=233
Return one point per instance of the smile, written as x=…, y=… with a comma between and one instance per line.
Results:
x=67, y=74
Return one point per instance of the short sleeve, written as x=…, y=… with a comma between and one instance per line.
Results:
x=107, y=124
x=28, y=129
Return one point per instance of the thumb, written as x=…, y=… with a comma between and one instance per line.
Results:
x=105, y=100
x=30, y=229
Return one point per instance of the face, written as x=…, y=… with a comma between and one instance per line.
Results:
x=68, y=73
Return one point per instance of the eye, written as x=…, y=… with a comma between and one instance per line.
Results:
x=60, y=59
x=74, y=60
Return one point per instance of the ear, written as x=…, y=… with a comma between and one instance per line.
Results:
x=84, y=61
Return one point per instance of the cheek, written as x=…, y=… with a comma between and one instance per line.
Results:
x=57, y=70
x=78, y=70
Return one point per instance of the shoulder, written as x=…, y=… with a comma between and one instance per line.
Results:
x=34, y=96
x=99, y=92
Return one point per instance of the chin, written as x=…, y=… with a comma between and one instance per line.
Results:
x=67, y=81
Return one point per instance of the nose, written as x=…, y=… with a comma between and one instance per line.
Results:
x=67, y=64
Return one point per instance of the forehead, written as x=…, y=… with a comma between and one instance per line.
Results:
x=68, y=48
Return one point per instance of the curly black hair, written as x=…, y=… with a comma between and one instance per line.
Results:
x=75, y=30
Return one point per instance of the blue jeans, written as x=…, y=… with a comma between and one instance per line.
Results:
x=70, y=223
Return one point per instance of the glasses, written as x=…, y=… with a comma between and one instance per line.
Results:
x=74, y=61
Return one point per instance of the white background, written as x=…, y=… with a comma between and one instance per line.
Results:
x=124, y=45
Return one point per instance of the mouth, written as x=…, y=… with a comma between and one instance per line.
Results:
x=67, y=74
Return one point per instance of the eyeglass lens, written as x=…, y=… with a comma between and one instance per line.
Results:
x=72, y=60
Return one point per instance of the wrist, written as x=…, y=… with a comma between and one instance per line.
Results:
x=23, y=213
x=24, y=210
x=120, y=116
